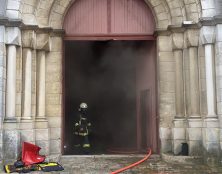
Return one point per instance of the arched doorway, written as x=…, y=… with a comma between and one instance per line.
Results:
x=110, y=63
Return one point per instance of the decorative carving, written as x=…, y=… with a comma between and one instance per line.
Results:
x=13, y=36
x=178, y=41
x=191, y=38
x=207, y=35
x=43, y=42
x=28, y=39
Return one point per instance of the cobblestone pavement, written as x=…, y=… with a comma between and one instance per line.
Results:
x=105, y=165
x=108, y=163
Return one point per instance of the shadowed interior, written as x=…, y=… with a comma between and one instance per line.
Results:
x=103, y=74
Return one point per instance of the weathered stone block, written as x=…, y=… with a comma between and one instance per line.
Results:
x=211, y=134
x=27, y=135
x=195, y=123
x=165, y=133
x=179, y=133
x=42, y=134
x=2, y=49
x=207, y=34
x=211, y=123
x=162, y=16
x=1, y=152
x=29, y=19
x=165, y=43
x=166, y=146
x=218, y=51
x=163, y=23
x=194, y=134
x=195, y=148
x=54, y=57
x=55, y=122
x=55, y=146
x=192, y=38
x=180, y=123
x=13, y=35
x=3, y=7
x=159, y=8
x=54, y=99
x=43, y=42
x=11, y=141
x=13, y=4
x=167, y=66
x=28, y=39
x=53, y=110
x=54, y=77
x=1, y=136
x=55, y=133
x=54, y=68
x=177, y=146
x=44, y=147
x=54, y=88
x=2, y=35
x=28, y=8
x=218, y=33
x=56, y=44
x=26, y=125
x=178, y=40
x=13, y=14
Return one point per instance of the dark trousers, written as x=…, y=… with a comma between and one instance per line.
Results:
x=82, y=144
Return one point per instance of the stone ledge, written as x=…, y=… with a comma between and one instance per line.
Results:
x=170, y=158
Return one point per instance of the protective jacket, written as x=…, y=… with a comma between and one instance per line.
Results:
x=82, y=130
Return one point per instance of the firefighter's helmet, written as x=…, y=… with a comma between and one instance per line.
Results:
x=83, y=106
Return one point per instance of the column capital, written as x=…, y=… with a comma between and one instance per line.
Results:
x=43, y=42
x=178, y=41
x=218, y=33
x=207, y=35
x=13, y=36
x=28, y=39
x=191, y=37
x=2, y=35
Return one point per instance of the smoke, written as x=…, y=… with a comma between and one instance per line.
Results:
x=103, y=74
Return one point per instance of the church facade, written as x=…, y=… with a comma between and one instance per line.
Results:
x=188, y=75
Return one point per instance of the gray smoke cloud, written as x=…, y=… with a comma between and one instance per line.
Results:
x=103, y=74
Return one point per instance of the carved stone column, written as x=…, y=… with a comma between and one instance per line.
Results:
x=218, y=67
x=2, y=89
x=211, y=122
x=11, y=138
x=195, y=120
x=26, y=125
x=42, y=130
x=179, y=130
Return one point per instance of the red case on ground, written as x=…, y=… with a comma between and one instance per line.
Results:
x=30, y=154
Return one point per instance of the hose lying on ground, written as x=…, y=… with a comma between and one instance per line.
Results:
x=134, y=164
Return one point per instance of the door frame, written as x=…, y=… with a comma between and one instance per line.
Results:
x=103, y=38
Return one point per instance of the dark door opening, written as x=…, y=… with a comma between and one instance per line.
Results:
x=104, y=75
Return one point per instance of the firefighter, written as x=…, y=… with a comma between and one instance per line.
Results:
x=83, y=129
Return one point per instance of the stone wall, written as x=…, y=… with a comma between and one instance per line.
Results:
x=54, y=94
x=181, y=69
x=166, y=69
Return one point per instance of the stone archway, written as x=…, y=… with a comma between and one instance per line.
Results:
x=175, y=42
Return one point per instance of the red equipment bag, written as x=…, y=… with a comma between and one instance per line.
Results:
x=30, y=154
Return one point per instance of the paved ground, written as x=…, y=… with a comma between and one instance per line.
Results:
x=105, y=164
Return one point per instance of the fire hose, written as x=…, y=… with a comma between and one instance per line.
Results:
x=134, y=164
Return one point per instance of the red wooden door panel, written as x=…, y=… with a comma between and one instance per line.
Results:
x=109, y=17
